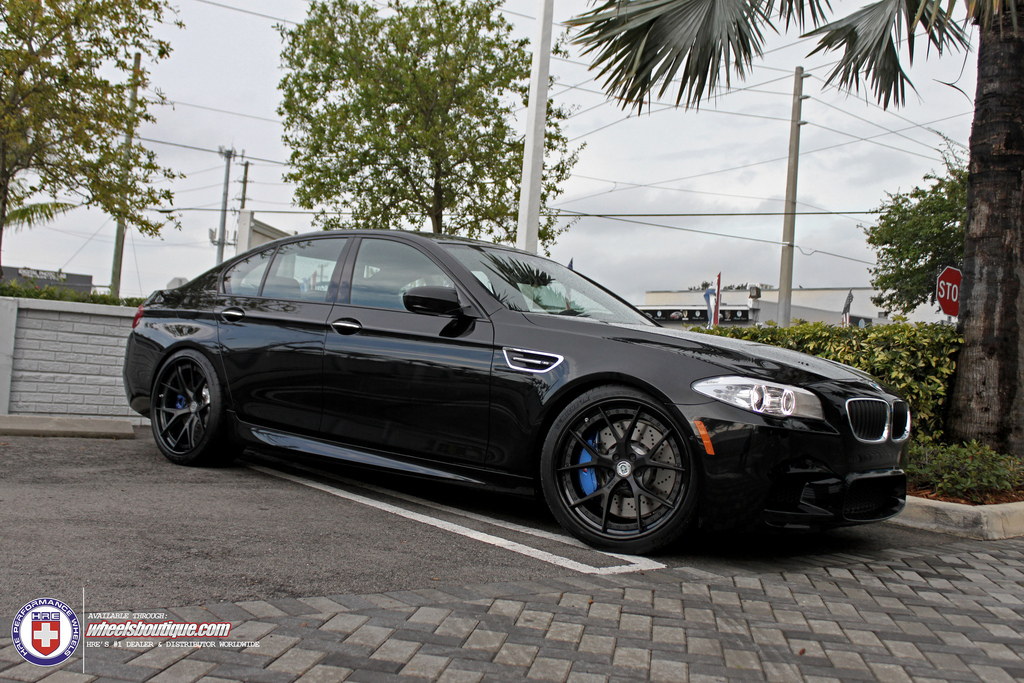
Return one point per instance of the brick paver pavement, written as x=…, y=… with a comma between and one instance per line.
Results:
x=915, y=614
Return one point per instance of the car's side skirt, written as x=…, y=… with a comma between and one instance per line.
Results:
x=275, y=440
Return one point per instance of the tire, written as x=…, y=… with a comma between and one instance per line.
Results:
x=187, y=413
x=617, y=472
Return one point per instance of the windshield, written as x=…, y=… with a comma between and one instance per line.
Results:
x=531, y=284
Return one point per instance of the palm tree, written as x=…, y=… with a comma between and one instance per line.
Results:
x=642, y=45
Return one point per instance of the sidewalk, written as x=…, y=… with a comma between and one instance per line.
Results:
x=897, y=615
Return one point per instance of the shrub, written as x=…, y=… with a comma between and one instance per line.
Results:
x=968, y=471
x=52, y=293
x=916, y=360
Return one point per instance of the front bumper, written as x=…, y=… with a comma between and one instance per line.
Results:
x=804, y=500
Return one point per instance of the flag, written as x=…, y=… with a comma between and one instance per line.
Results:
x=846, y=309
x=718, y=298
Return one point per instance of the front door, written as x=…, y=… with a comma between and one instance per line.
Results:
x=405, y=383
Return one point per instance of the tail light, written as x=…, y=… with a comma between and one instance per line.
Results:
x=138, y=316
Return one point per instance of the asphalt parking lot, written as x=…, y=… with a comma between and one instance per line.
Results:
x=114, y=522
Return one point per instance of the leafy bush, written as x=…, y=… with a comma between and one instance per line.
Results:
x=52, y=293
x=915, y=360
x=968, y=471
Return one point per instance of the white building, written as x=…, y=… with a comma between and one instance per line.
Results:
x=760, y=306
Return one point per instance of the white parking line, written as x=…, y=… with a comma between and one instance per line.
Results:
x=633, y=564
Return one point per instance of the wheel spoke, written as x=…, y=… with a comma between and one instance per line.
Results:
x=605, y=509
x=592, y=496
x=640, y=488
x=181, y=378
x=611, y=425
x=594, y=454
x=654, y=465
x=632, y=427
x=653, y=450
x=636, y=505
x=175, y=414
x=584, y=466
x=195, y=433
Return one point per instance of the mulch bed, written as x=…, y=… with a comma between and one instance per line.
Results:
x=1015, y=496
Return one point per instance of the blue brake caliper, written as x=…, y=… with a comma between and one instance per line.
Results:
x=588, y=475
x=180, y=402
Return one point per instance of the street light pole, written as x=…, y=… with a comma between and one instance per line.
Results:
x=228, y=154
x=115, y=269
x=536, y=120
x=789, y=220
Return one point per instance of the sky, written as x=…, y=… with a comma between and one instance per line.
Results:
x=715, y=173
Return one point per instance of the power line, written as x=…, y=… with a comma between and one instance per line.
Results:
x=720, y=213
x=212, y=151
x=246, y=11
x=633, y=186
x=225, y=111
x=872, y=123
x=873, y=142
x=807, y=251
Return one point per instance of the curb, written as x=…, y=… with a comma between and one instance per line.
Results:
x=982, y=522
x=90, y=427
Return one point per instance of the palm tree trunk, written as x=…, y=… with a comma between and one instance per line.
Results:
x=988, y=396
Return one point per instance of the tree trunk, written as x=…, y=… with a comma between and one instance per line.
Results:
x=4, y=202
x=988, y=396
x=437, y=209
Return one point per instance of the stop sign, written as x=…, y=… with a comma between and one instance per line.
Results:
x=947, y=290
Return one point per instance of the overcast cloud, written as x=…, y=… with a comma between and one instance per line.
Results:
x=728, y=157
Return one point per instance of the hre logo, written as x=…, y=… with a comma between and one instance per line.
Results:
x=46, y=632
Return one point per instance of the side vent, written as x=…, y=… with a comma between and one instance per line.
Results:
x=531, y=361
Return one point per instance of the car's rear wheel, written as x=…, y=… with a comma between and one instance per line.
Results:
x=187, y=412
x=617, y=473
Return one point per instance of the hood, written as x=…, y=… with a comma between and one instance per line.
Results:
x=741, y=357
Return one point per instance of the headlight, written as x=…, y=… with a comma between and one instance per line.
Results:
x=766, y=398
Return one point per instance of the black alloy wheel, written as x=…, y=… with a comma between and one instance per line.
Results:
x=617, y=472
x=187, y=410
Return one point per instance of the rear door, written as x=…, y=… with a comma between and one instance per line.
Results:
x=406, y=383
x=272, y=322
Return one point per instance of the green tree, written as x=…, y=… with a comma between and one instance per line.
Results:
x=919, y=233
x=408, y=113
x=65, y=75
x=639, y=44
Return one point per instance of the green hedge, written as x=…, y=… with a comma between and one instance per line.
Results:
x=970, y=471
x=52, y=293
x=917, y=360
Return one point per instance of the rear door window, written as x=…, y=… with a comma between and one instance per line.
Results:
x=304, y=270
x=244, y=278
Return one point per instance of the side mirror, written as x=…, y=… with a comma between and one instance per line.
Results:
x=433, y=301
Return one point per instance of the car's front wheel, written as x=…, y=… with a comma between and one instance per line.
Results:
x=187, y=411
x=617, y=472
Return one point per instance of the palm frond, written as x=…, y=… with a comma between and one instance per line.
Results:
x=985, y=12
x=640, y=43
x=31, y=215
x=870, y=41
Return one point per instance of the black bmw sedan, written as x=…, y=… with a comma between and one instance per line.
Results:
x=480, y=364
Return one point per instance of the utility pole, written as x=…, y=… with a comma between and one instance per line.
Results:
x=536, y=122
x=245, y=181
x=133, y=100
x=228, y=155
x=789, y=220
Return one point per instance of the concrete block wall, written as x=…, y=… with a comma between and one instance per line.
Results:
x=63, y=358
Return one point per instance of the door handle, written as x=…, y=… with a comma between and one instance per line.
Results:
x=232, y=315
x=346, y=326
